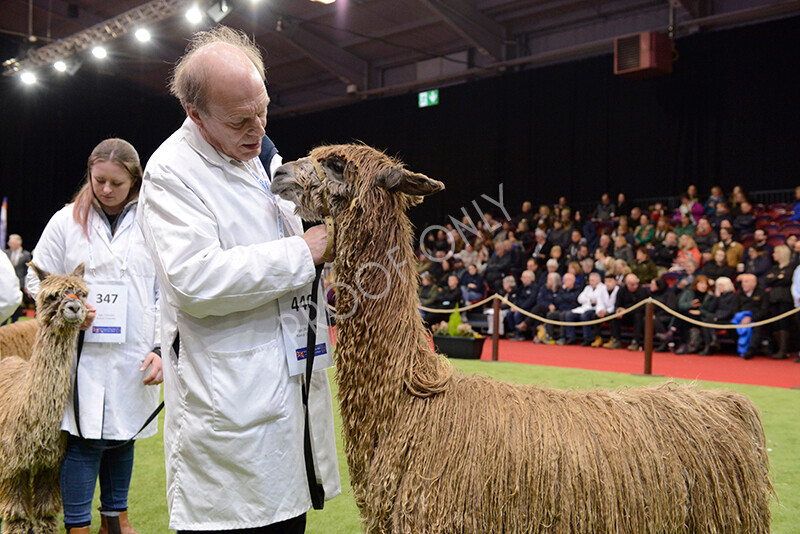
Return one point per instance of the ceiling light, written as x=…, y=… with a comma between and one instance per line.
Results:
x=28, y=78
x=218, y=10
x=99, y=52
x=194, y=15
x=60, y=66
x=142, y=34
x=324, y=1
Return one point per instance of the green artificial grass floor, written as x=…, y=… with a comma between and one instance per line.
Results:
x=148, y=508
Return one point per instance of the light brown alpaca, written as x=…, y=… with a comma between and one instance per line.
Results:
x=16, y=339
x=432, y=451
x=33, y=398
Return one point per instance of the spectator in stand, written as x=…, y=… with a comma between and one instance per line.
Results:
x=735, y=200
x=458, y=268
x=621, y=269
x=759, y=264
x=686, y=225
x=544, y=299
x=606, y=244
x=503, y=233
x=662, y=320
x=428, y=291
x=472, y=284
x=606, y=305
x=525, y=298
x=643, y=234
x=691, y=192
x=468, y=254
x=556, y=254
x=586, y=269
x=660, y=231
x=687, y=275
x=718, y=267
x=690, y=303
x=588, y=301
x=643, y=267
x=600, y=259
x=623, y=229
x=574, y=268
x=754, y=301
x=745, y=222
x=541, y=247
x=664, y=255
x=795, y=215
x=605, y=210
x=710, y=207
x=509, y=290
x=630, y=293
x=657, y=212
x=687, y=248
x=544, y=217
x=559, y=236
x=583, y=252
x=718, y=307
x=524, y=236
x=760, y=242
x=794, y=245
x=623, y=250
x=779, y=285
x=563, y=301
x=721, y=215
x=589, y=231
x=533, y=266
x=689, y=207
x=423, y=262
x=575, y=241
x=525, y=212
x=443, y=243
x=623, y=208
x=498, y=266
x=449, y=297
x=443, y=273
x=733, y=250
x=492, y=224
x=483, y=259
x=705, y=237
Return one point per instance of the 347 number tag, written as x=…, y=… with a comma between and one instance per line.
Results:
x=106, y=298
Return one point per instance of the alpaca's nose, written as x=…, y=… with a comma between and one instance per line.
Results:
x=73, y=307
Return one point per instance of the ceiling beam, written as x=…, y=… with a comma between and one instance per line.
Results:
x=486, y=35
x=693, y=7
x=344, y=65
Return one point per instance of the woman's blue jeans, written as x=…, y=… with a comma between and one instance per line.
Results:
x=80, y=469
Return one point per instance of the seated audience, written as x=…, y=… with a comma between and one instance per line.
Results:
x=687, y=249
x=623, y=250
x=629, y=294
x=605, y=210
x=795, y=215
x=710, y=207
x=662, y=228
x=606, y=306
x=686, y=226
x=733, y=250
x=779, y=284
x=720, y=309
x=558, y=235
x=588, y=301
x=472, y=284
x=428, y=291
x=524, y=298
x=705, y=237
x=664, y=255
x=623, y=229
x=690, y=302
x=718, y=266
x=744, y=223
x=498, y=266
x=663, y=321
x=643, y=267
x=758, y=264
x=752, y=305
x=623, y=208
x=644, y=233
x=690, y=208
x=541, y=247
x=563, y=301
x=544, y=299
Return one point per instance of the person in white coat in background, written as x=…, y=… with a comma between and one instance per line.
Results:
x=231, y=259
x=119, y=358
x=10, y=294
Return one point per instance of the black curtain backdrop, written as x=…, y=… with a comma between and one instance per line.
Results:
x=727, y=115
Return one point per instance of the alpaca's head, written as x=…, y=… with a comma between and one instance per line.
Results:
x=346, y=174
x=62, y=297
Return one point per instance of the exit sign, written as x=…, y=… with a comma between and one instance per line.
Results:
x=428, y=98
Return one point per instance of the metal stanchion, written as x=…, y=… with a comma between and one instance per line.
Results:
x=496, y=330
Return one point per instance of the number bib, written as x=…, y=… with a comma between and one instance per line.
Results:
x=111, y=300
x=294, y=309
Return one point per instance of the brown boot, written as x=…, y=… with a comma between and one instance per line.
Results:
x=783, y=342
x=81, y=530
x=115, y=524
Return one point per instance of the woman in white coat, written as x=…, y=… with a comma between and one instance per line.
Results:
x=119, y=358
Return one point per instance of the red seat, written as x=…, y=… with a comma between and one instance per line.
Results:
x=776, y=239
x=770, y=228
x=670, y=278
x=787, y=230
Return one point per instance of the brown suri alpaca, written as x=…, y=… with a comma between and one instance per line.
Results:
x=433, y=451
x=16, y=339
x=33, y=398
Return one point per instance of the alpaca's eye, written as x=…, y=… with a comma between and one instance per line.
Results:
x=337, y=165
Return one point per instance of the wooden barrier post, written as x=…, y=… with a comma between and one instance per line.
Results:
x=648, y=338
x=496, y=330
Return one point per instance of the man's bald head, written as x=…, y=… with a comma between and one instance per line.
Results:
x=214, y=58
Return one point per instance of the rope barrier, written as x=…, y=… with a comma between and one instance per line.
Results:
x=610, y=317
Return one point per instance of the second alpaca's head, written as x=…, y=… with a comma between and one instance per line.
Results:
x=62, y=297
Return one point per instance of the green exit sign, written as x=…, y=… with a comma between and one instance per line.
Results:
x=428, y=98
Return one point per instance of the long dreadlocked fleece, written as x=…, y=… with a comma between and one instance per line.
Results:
x=432, y=451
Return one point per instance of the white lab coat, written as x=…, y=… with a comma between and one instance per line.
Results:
x=590, y=298
x=114, y=403
x=10, y=295
x=233, y=433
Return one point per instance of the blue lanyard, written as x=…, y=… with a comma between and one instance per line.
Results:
x=260, y=175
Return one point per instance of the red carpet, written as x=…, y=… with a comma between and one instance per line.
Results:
x=760, y=371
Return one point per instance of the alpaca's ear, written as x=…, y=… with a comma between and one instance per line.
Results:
x=40, y=273
x=412, y=183
x=79, y=270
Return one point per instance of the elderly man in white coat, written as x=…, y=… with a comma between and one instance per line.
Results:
x=229, y=256
x=10, y=294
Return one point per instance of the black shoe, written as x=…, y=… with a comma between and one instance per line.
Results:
x=748, y=355
x=587, y=343
x=661, y=348
x=705, y=352
x=682, y=350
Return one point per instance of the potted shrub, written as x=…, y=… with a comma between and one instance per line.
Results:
x=455, y=339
